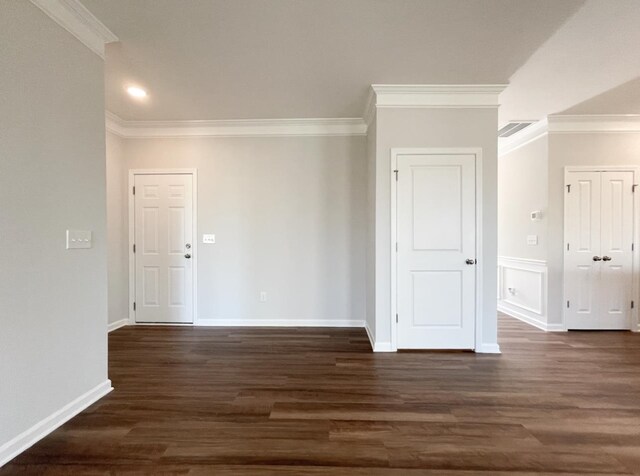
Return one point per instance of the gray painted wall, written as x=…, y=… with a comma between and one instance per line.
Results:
x=435, y=128
x=523, y=188
x=53, y=302
x=117, y=229
x=289, y=218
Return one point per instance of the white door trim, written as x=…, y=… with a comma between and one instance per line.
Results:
x=635, y=285
x=132, y=262
x=395, y=153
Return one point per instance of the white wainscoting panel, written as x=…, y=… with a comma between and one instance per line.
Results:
x=522, y=290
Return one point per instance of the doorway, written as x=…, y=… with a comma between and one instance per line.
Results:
x=163, y=246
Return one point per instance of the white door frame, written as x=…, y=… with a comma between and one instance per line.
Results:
x=635, y=262
x=194, y=245
x=395, y=153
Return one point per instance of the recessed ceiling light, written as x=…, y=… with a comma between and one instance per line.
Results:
x=136, y=92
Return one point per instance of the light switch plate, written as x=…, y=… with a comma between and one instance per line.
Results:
x=532, y=239
x=209, y=239
x=78, y=239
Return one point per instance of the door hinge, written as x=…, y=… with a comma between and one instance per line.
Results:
x=396, y=172
x=569, y=188
x=134, y=190
x=633, y=246
x=632, y=304
x=396, y=318
x=134, y=248
x=633, y=188
x=396, y=246
x=134, y=306
x=568, y=304
x=567, y=246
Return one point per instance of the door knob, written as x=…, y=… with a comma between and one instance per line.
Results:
x=188, y=256
x=606, y=258
x=470, y=261
x=597, y=258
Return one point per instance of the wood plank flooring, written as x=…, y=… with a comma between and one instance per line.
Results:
x=317, y=401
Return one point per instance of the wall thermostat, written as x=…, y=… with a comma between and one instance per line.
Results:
x=536, y=216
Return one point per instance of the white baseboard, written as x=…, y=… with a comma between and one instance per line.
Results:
x=377, y=346
x=488, y=349
x=383, y=347
x=279, y=323
x=370, y=336
x=117, y=325
x=28, y=438
x=548, y=327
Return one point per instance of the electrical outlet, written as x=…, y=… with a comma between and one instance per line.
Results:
x=263, y=296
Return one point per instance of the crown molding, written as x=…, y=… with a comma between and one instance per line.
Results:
x=235, y=128
x=370, y=108
x=434, y=96
x=114, y=124
x=523, y=137
x=570, y=124
x=594, y=123
x=74, y=17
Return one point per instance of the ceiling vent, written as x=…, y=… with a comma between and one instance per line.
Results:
x=513, y=127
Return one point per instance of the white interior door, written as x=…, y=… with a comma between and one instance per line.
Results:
x=616, y=240
x=163, y=224
x=436, y=236
x=582, y=251
x=598, y=254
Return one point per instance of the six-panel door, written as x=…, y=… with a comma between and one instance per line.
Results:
x=436, y=234
x=163, y=256
x=598, y=250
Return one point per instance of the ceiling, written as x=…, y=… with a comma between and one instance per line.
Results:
x=595, y=50
x=253, y=59
x=624, y=99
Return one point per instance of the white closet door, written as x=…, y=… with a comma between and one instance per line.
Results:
x=617, y=256
x=582, y=259
x=436, y=233
x=163, y=255
x=599, y=259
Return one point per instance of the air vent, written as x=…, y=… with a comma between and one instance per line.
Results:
x=513, y=127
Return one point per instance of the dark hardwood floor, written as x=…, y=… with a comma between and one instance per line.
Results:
x=318, y=401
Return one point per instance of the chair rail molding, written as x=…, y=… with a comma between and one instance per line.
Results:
x=74, y=17
x=522, y=291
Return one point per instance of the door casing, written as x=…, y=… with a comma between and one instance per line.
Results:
x=132, y=263
x=396, y=153
x=635, y=285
